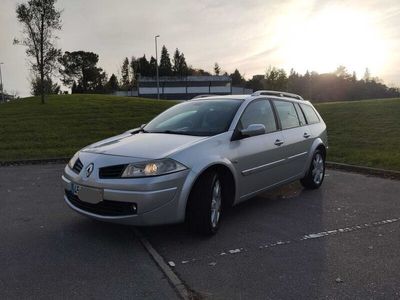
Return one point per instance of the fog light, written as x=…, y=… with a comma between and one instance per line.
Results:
x=134, y=208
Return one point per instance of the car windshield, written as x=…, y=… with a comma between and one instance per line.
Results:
x=200, y=117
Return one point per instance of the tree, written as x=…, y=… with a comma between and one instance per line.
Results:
x=81, y=67
x=367, y=75
x=197, y=72
x=217, y=69
x=165, y=63
x=256, y=83
x=341, y=71
x=152, y=66
x=176, y=61
x=276, y=79
x=179, y=67
x=40, y=20
x=125, y=81
x=143, y=67
x=237, y=78
x=112, y=84
x=100, y=84
x=133, y=68
x=49, y=86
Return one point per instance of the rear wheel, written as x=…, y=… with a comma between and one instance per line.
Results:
x=316, y=172
x=205, y=204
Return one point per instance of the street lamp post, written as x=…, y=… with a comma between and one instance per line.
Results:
x=158, y=81
x=1, y=84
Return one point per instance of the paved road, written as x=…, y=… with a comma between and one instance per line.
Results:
x=49, y=252
x=341, y=241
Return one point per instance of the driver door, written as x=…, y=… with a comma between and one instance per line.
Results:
x=258, y=159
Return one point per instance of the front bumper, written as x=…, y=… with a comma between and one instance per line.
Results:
x=141, y=201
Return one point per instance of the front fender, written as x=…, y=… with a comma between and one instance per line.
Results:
x=196, y=172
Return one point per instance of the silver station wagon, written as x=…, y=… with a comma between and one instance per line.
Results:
x=198, y=158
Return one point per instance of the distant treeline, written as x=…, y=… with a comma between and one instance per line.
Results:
x=335, y=86
x=79, y=71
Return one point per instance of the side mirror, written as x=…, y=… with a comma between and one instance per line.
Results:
x=252, y=130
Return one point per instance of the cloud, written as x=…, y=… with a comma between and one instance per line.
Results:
x=249, y=35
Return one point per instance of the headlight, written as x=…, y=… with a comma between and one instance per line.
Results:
x=72, y=161
x=152, y=168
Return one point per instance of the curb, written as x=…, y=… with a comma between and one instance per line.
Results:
x=182, y=291
x=390, y=174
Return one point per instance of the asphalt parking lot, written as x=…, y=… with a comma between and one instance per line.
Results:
x=339, y=242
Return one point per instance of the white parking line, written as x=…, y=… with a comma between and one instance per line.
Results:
x=347, y=229
x=305, y=237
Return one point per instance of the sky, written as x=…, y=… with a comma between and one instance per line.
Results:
x=249, y=35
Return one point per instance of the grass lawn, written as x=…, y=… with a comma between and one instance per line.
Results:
x=66, y=123
x=364, y=133
x=360, y=132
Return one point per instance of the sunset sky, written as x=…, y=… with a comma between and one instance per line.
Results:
x=248, y=35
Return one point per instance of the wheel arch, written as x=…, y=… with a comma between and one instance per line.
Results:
x=227, y=177
x=318, y=144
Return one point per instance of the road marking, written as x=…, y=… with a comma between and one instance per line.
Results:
x=180, y=288
x=309, y=236
x=347, y=229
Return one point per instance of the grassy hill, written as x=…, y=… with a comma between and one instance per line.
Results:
x=364, y=132
x=360, y=132
x=66, y=123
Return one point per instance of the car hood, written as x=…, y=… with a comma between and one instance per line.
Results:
x=144, y=145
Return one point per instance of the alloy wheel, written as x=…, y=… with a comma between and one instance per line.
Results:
x=318, y=168
x=216, y=202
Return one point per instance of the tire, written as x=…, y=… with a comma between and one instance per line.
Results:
x=205, y=204
x=316, y=172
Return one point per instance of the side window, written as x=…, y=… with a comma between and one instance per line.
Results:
x=310, y=114
x=259, y=112
x=287, y=114
x=300, y=114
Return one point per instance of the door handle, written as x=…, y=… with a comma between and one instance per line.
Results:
x=278, y=142
x=306, y=135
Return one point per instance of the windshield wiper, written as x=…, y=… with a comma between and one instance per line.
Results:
x=138, y=130
x=172, y=132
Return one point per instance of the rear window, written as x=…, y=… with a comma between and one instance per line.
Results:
x=310, y=114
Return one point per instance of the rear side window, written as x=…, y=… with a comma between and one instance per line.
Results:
x=310, y=114
x=300, y=114
x=287, y=114
x=259, y=112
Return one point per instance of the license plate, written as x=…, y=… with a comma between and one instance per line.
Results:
x=87, y=194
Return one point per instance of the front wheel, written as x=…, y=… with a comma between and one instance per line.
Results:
x=205, y=204
x=316, y=172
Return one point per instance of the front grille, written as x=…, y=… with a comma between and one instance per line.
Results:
x=103, y=208
x=77, y=166
x=111, y=172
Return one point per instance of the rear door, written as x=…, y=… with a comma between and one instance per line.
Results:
x=296, y=134
x=258, y=158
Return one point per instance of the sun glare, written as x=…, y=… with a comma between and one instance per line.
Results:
x=335, y=37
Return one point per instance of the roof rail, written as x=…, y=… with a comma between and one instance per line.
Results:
x=203, y=96
x=277, y=94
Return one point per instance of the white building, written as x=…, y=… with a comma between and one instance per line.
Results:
x=184, y=87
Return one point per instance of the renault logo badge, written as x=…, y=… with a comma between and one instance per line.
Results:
x=89, y=169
